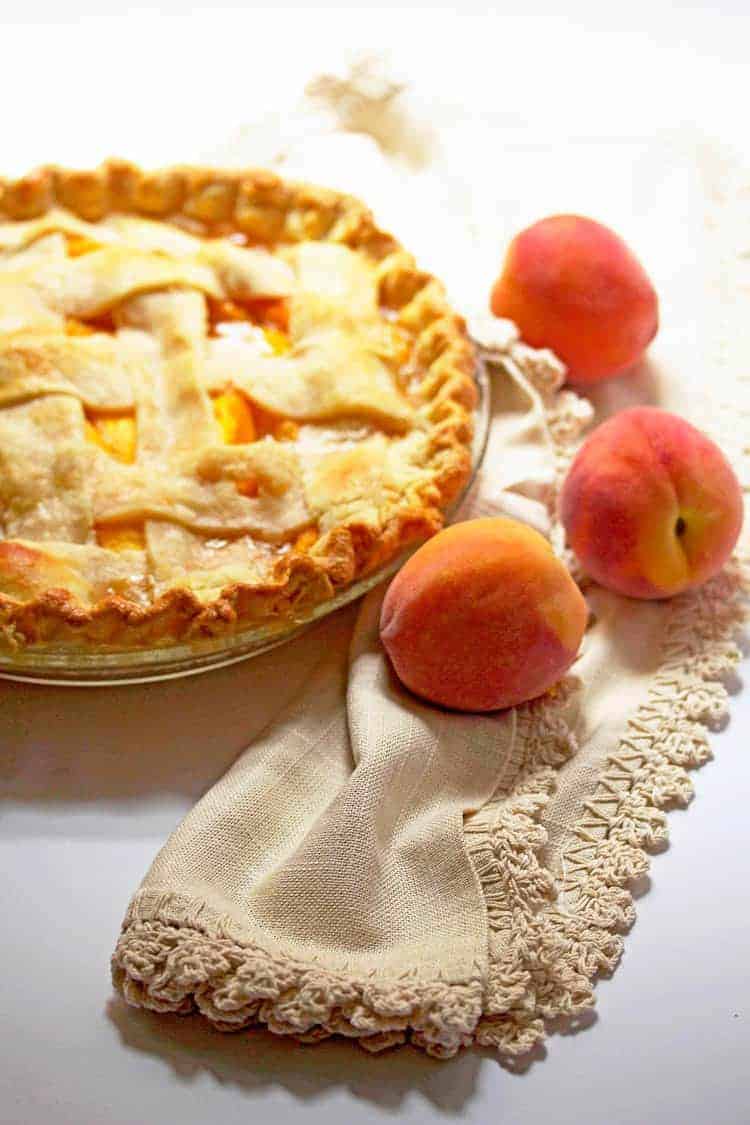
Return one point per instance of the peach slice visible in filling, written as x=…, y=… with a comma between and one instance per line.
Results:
x=114, y=433
x=75, y=327
x=243, y=421
x=234, y=414
x=267, y=422
x=268, y=312
x=103, y=323
x=305, y=540
x=78, y=244
x=270, y=316
x=278, y=340
x=121, y=536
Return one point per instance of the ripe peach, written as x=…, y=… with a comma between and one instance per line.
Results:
x=482, y=616
x=572, y=285
x=650, y=505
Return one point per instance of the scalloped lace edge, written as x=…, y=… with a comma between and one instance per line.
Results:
x=554, y=940
x=550, y=940
x=176, y=955
x=176, y=966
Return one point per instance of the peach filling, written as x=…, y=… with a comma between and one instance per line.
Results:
x=102, y=323
x=243, y=421
x=121, y=536
x=268, y=312
x=271, y=316
x=79, y=244
x=116, y=434
x=305, y=539
x=239, y=420
x=75, y=327
x=234, y=414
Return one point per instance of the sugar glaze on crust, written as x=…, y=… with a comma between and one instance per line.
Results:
x=268, y=212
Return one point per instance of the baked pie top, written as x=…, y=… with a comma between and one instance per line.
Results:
x=222, y=397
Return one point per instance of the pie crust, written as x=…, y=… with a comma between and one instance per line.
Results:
x=223, y=398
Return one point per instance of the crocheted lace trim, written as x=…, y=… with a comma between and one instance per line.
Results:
x=177, y=958
x=548, y=941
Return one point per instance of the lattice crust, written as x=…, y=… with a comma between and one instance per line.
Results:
x=222, y=397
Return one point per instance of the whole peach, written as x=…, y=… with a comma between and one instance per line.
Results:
x=572, y=285
x=650, y=505
x=483, y=616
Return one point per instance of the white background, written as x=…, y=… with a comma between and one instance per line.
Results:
x=94, y=781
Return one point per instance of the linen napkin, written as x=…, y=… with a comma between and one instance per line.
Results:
x=377, y=868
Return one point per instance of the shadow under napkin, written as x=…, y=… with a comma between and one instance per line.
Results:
x=257, y=1060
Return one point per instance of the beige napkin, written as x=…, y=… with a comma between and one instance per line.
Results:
x=377, y=868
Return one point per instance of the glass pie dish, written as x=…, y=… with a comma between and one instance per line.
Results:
x=60, y=665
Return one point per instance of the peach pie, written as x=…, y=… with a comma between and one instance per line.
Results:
x=223, y=397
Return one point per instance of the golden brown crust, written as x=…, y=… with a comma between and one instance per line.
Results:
x=267, y=210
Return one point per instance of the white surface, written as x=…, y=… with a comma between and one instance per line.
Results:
x=669, y=1045
x=107, y=775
